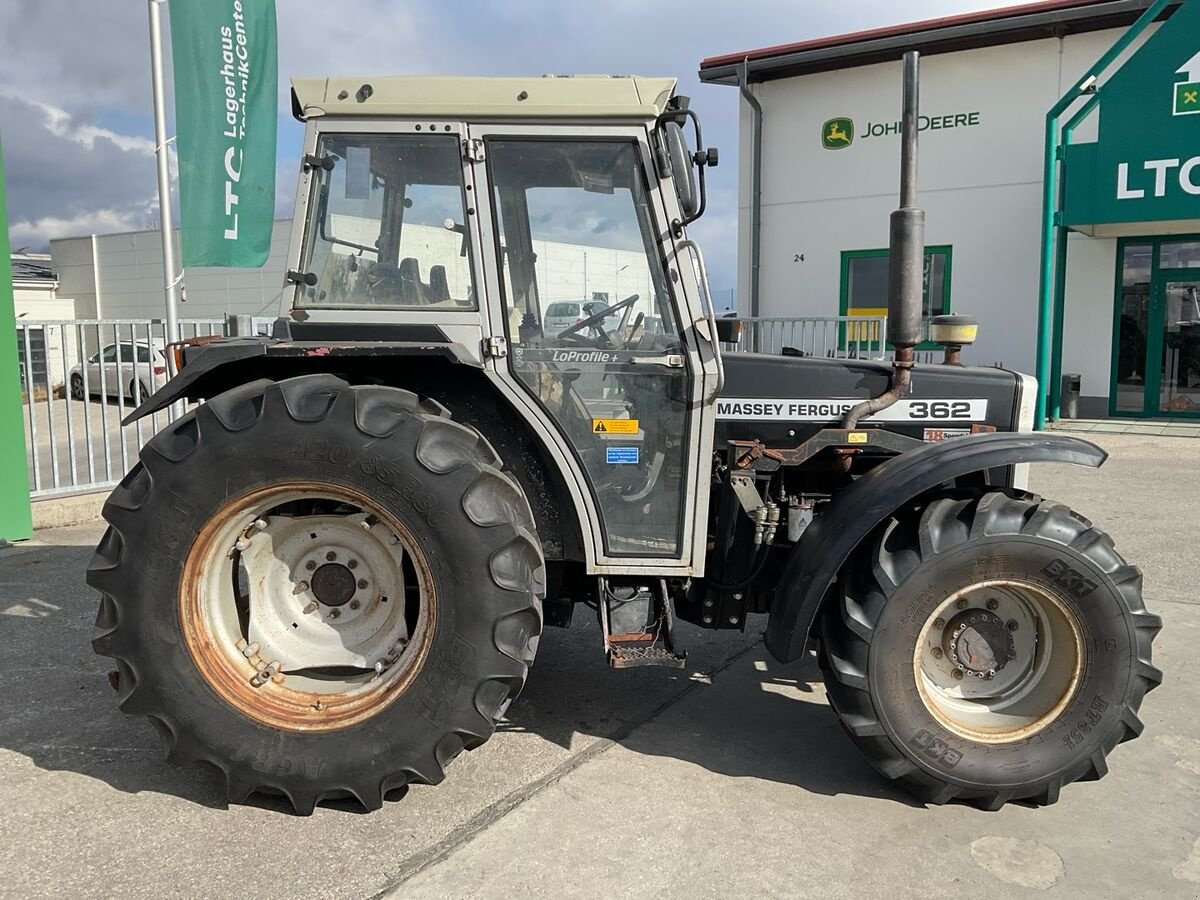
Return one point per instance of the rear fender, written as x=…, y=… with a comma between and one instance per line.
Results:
x=853, y=514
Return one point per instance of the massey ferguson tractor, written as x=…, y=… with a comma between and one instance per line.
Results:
x=496, y=391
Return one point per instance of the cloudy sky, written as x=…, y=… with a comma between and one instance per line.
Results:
x=75, y=115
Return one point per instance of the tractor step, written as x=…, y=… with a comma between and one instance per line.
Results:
x=638, y=624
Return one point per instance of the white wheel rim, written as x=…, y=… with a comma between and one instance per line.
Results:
x=998, y=661
x=306, y=606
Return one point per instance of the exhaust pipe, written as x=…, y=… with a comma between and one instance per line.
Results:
x=906, y=258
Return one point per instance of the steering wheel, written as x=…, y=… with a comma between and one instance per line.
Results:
x=596, y=320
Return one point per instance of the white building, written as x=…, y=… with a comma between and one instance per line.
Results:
x=43, y=354
x=829, y=168
x=120, y=276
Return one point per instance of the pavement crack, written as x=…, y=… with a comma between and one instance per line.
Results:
x=485, y=818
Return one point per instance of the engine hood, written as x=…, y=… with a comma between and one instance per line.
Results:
x=781, y=400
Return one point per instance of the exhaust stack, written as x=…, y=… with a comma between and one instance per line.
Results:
x=906, y=257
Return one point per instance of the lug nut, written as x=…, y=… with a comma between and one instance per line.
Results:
x=993, y=605
x=733, y=620
x=708, y=620
x=354, y=604
x=957, y=674
x=939, y=623
x=301, y=587
x=937, y=653
x=310, y=565
x=353, y=564
x=334, y=613
x=961, y=604
x=362, y=582
x=1011, y=625
x=331, y=556
x=312, y=607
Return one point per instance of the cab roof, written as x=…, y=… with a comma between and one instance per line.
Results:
x=454, y=97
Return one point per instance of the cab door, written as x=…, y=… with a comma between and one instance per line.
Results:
x=574, y=216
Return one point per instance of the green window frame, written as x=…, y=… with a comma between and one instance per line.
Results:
x=938, y=306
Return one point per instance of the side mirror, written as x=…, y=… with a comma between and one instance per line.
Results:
x=676, y=160
x=729, y=329
x=683, y=169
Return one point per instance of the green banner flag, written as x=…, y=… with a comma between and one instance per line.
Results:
x=226, y=75
x=15, y=517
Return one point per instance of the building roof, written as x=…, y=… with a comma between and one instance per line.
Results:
x=1007, y=25
x=450, y=97
x=33, y=270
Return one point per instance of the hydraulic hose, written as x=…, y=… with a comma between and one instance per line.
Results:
x=755, y=570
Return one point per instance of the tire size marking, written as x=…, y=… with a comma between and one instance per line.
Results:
x=169, y=538
x=444, y=676
x=1084, y=726
x=937, y=749
x=271, y=762
x=1070, y=580
x=388, y=473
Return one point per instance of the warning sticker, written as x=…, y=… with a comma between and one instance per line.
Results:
x=614, y=426
x=621, y=456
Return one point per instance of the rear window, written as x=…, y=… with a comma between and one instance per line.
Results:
x=563, y=309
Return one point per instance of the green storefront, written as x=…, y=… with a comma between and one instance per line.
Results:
x=1137, y=182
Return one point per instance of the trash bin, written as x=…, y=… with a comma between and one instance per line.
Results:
x=1069, y=402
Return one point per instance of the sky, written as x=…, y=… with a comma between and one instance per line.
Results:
x=75, y=104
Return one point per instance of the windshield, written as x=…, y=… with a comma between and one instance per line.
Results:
x=386, y=224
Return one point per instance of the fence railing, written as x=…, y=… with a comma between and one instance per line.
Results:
x=838, y=337
x=79, y=378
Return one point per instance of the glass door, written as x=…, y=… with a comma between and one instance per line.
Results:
x=1156, y=342
x=1179, y=380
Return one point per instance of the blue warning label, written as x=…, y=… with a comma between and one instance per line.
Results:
x=621, y=456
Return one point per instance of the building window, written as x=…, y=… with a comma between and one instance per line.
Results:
x=865, y=283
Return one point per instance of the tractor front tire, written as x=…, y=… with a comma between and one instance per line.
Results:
x=320, y=590
x=988, y=648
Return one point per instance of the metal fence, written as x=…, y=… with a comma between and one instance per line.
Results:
x=838, y=337
x=79, y=378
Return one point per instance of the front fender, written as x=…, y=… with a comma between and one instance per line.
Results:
x=854, y=513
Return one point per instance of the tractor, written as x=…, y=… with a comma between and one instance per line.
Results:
x=329, y=577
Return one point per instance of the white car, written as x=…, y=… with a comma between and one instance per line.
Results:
x=562, y=314
x=131, y=369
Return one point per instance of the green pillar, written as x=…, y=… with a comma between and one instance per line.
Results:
x=16, y=516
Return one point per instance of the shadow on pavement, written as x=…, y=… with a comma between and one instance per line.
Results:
x=61, y=713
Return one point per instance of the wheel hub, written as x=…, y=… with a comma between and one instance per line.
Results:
x=998, y=660
x=333, y=584
x=978, y=643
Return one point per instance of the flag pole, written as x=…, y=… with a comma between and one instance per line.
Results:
x=171, y=285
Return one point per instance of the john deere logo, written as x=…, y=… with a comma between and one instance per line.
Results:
x=837, y=134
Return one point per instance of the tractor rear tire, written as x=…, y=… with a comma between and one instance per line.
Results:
x=988, y=648
x=404, y=497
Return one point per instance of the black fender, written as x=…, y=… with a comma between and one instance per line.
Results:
x=816, y=559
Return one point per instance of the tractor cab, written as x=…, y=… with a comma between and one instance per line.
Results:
x=537, y=227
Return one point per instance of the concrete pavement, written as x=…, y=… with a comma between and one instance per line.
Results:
x=731, y=777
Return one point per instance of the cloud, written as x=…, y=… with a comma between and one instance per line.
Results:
x=76, y=112
x=67, y=176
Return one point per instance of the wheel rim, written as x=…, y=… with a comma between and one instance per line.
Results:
x=998, y=661
x=306, y=606
x=77, y=387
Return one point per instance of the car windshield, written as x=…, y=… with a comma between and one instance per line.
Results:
x=386, y=224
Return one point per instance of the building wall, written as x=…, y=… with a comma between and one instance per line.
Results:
x=980, y=186
x=124, y=280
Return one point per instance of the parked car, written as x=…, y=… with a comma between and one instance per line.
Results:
x=562, y=314
x=132, y=369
